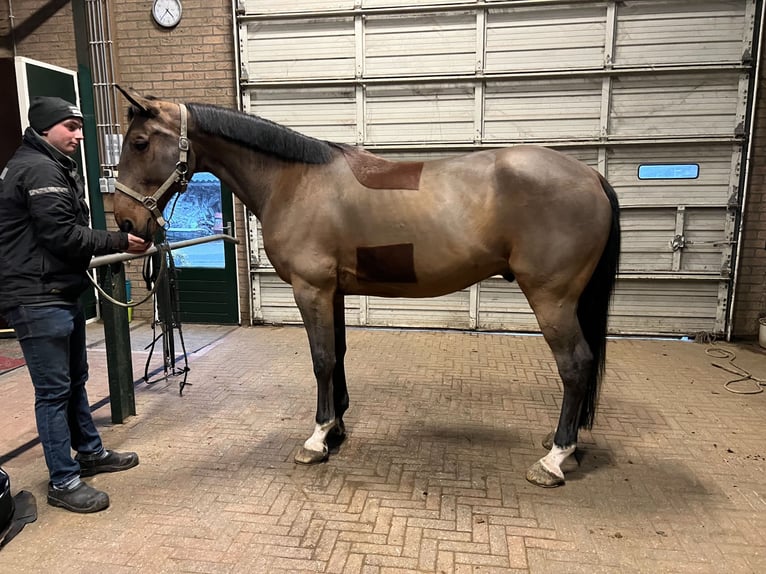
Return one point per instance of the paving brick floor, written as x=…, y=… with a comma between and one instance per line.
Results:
x=442, y=427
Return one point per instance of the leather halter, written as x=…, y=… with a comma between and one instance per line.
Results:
x=179, y=175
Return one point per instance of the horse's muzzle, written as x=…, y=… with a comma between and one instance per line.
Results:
x=128, y=226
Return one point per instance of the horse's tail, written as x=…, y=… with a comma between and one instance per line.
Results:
x=593, y=308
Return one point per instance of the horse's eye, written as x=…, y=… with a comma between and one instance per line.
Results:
x=140, y=145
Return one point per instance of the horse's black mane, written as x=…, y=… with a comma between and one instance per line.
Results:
x=261, y=134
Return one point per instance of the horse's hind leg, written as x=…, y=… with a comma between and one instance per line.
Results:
x=561, y=329
x=316, y=307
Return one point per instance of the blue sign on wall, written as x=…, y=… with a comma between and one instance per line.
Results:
x=669, y=171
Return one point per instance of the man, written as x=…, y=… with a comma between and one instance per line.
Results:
x=45, y=248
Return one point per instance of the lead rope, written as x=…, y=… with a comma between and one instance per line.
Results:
x=742, y=374
x=176, y=305
x=167, y=320
x=127, y=304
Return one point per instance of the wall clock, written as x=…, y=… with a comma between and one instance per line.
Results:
x=167, y=13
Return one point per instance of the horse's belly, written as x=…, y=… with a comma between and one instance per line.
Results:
x=404, y=277
x=403, y=290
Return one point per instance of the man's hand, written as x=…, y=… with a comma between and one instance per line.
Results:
x=136, y=244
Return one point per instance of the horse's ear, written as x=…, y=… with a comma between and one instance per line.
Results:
x=144, y=106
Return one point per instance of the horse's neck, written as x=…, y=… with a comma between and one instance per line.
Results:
x=250, y=175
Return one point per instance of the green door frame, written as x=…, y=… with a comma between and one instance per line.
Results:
x=42, y=79
x=210, y=294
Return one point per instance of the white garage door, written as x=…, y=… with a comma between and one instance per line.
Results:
x=654, y=94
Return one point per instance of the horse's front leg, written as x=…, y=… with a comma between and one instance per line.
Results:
x=316, y=307
x=340, y=390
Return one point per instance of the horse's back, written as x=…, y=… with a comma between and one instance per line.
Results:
x=522, y=173
x=546, y=170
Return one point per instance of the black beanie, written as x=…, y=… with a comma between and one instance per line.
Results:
x=45, y=112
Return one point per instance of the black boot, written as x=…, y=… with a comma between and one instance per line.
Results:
x=81, y=498
x=112, y=462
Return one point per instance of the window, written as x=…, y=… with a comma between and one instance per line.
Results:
x=197, y=213
x=668, y=171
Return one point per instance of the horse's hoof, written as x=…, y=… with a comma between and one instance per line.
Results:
x=306, y=456
x=335, y=439
x=548, y=441
x=541, y=476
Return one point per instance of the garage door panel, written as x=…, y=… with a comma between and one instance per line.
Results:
x=395, y=3
x=654, y=194
x=542, y=110
x=679, y=32
x=503, y=307
x=711, y=188
x=586, y=154
x=664, y=306
x=328, y=114
x=646, y=239
x=685, y=105
x=428, y=44
x=277, y=303
x=697, y=259
x=450, y=311
x=550, y=37
x=706, y=240
x=275, y=6
x=424, y=113
x=258, y=257
x=291, y=50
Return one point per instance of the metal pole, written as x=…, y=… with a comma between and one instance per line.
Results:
x=107, y=259
x=119, y=359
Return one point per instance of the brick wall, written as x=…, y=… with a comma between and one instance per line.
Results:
x=48, y=32
x=193, y=62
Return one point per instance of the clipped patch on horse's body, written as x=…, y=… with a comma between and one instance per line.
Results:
x=376, y=172
x=386, y=264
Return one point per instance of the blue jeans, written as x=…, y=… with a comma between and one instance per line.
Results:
x=52, y=338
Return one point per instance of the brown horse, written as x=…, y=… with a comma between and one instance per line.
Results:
x=338, y=221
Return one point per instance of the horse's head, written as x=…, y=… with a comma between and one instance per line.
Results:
x=155, y=162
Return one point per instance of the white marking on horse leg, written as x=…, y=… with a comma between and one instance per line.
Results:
x=318, y=441
x=552, y=461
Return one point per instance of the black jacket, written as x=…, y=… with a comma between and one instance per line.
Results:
x=45, y=242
